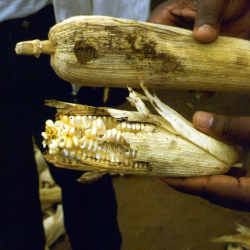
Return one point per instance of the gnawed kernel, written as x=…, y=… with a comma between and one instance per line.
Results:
x=76, y=139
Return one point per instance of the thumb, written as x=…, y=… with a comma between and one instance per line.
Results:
x=207, y=21
x=225, y=128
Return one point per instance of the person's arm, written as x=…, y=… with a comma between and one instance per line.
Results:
x=207, y=18
x=231, y=190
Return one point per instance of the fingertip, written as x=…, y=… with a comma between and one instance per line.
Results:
x=203, y=120
x=170, y=181
x=205, y=33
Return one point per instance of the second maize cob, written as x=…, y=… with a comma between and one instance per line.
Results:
x=115, y=141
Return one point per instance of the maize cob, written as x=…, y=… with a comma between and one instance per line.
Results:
x=121, y=51
x=115, y=141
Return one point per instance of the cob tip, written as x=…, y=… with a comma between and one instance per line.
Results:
x=35, y=47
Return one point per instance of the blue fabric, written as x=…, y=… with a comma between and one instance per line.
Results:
x=10, y=9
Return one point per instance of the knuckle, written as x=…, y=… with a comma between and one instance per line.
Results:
x=229, y=128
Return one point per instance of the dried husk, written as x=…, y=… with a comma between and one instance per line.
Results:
x=172, y=148
x=86, y=49
x=242, y=239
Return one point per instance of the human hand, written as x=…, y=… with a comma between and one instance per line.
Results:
x=233, y=189
x=207, y=18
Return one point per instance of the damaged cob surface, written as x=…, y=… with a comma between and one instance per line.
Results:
x=104, y=140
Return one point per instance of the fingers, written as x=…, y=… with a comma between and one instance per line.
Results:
x=175, y=13
x=222, y=190
x=225, y=128
x=161, y=15
x=207, y=21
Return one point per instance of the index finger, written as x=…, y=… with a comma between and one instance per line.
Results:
x=208, y=18
x=223, y=190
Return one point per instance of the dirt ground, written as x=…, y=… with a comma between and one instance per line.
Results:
x=154, y=216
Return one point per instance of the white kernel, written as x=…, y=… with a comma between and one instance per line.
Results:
x=78, y=122
x=121, y=157
x=45, y=136
x=62, y=141
x=71, y=131
x=118, y=137
x=72, y=120
x=133, y=153
x=123, y=126
x=90, y=144
x=72, y=153
x=53, y=151
x=78, y=154
x=83, y=145
x=65, y=119
x=112, y=157
x=128, y=127
x=65, y=152
x=95, y=146
x=69, y=142
x=108, y=135
x=100, y=124
x=116, y=157
x=133, y=127
x=53, y=144
x=84, y=121
x=65, y=129
x=127, y=154
x=81, y=140
x=87, y=133
x=44, y=144
x=105, y=118
x=49, y=123
x=137, y=127
x=98, y=156
x=59, y=124
x=75, y=141
x=93, y=133
x=113, y=134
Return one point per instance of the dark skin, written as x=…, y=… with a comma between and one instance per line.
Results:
x=208, y=19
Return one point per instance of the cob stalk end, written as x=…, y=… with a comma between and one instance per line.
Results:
x=35, y=47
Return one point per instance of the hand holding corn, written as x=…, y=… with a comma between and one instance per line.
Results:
x=208, y=18
x=211, y=18
x=232, y=190
x=103, y=140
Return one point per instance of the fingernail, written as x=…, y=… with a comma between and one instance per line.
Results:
x=203, y=119
x=205, y=33
x=206, y=28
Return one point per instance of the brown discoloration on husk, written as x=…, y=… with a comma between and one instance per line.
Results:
x=122, y=50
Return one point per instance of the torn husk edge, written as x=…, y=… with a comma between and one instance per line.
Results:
x=222, y=151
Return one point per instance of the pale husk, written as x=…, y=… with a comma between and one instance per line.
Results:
x=112, y=52
x=172, y=148
x=242, y=239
